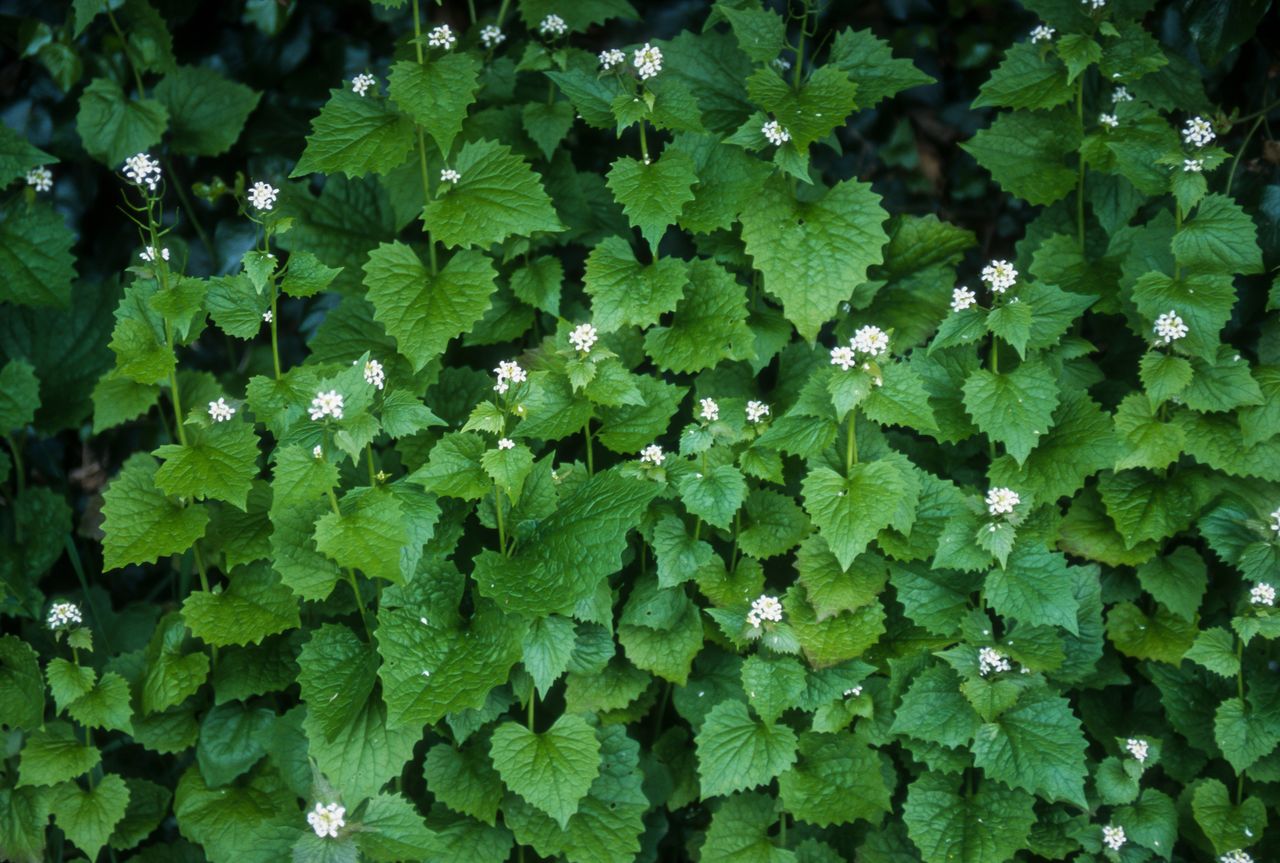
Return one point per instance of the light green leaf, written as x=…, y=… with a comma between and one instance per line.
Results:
x=368, y=534
x=625, y=292
x=736, y=752
x=1215, y=649
x=837, y=780
x=988, y=826
x=1035, y=588
x=355, y=136
x=1219, y=238
x=714, y=496
x=1228, y=827
x=218, y=462
x=1028, y=77
x=141, y=524
x=761, y=33
x=1024, y=152
x=1014, y=408
x=1245, y=732
x=1036, y=745
x=254, y=606
x=869, y=61
x=36, y=265
x=811, y=111
x=88, y=817
x=552, y=770
x=437, y=93
x=850, y=512
x=653, y=195
x=206, y=111
x=113, y=127
x=54, y=754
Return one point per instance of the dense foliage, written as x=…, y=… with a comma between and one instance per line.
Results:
x=574, y=431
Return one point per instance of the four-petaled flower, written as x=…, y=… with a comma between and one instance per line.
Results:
x=263, y=195
x=327, y=819
x=1042, y=33
x=1113, y=837
x=143, y=170
x=647, y=60
x=361, y=83
x=441, y=37
x=870, y=340
x=1000, y=276
x=764, y=608
x=267, y=316
x=220, y=411
x=991, y=660
x=1108, y=120
x=1193, y=166
x=63, y=615
x=709, y=409
x=1169, y=327
x=1139, y=749
x=652, y=454
x=492, y=36
x=149, y=254
x=373, y=374
x=962, y=298
x=1002, y=500
x=40, y=179
x=776, y=133
x=1121, y=94
x=1263, y=594
x=553, y=25
x=1198, y=132
x=508, y=372
x=449, y=175
x=506, y=443
x=327, y=404
x=612, y=58
x=756, y=411
x=583, y=338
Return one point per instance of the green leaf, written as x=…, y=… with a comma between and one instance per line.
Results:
x=1012, y=322
x=336, y=676
x=140, y=523
x=709, y=326
x=113, y=127
x=1024, y=152
x=1219, y=238
x=106, y=705
x=393, y=830
x=1204, y=301
x=739, y=832
x=1034, y=588
x=508, y=468
x=988, y=826
x=538, y=283
x=219, y=462
x=547, y=124
x=870, y=62
x=1228, y=827
x=498, y=196
x=1080, y=444
x=736, y=752
x=437, y=93
x=454, y=468
x=355, y=136
x=653, y=195
x=714, y=496
x=368, y=534
x=546, y=649
x=306, y=276
x=54, y=754
x=774, y=524
x=900, y=400
x=1162, y=636
x=625, y=292
x=1027, y=78
x=254, y=606
x=1146, y=506
x=934, y=710
x=837, y=780
x=21, y=685
x=464, y=780
x=68, y=681
x=206, y=111
x=36, y=265
x=233, y=737
x=1177, y=580
x=173, y=673
x=773, y=685
x=813, y=254
x=1079, y=52
x=1014, y=408
x=88, y=817
x=19, y=395
x=1036, y=745
x=1244, y=732
x=552, y=770
x=1164, y=375
x=761, y=33
x=17, y=156
x=1144, y=440
x=850, y=512
x=809, y=112
x=251, y=822
x=1215, y=649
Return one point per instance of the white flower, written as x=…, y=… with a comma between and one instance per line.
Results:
x=143, y=170
x=962, y=298
x=1193, y=166
x=853, y=693
x=1169, y=327
x=1198, y=132
x=317, y=451
x=765, y=608
x=583, y=337
x=149, y=254
x=1000, y=276
x=553, y=25
x=842, y=356
x=870, y=340
x=449, y=175
x=263, y=195
x=1108, y=120
x=612, y=58
x=782, y=64
x=1263, y=594
x=1236, y=856
x=648, y=60
x=506, y=443
x=492, y=36
x=710, y=410
x=508, y=372
x=1121, y=94
x=220, y=411
x=1042, y=33
x=327, y=819
x=1095, y=5
x=441, y=37
x=1113, y=837
x=1275, y=520
x=41, y=179
x=327, y=405
x=63, y=615
x=361, y=83
x=266, y=316
x=776, y=133
x=1139, y=749
x=756, y=411
x=374, y=375
x=1002, y=500
x=990, y=659
x=652, y=454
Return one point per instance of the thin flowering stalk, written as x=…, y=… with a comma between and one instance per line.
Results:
x=351, y=576
x=851, y=443
x=422, y=140
x=1081, y=169
x=591, y=463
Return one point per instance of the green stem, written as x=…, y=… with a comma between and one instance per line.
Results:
x=124, y=46
x=851, y=444
x=1177, y=227
x=1235, y=163
x=351, y=577
x=373, y=472
x=644, y=144
x=591, y=461
x=1081, y=171
x=73, y=555
x=471, y=10
x=530, y=708
x=422, y=140
x=502, y=529
x=275, y=322
x=190, y=210
x=804, y=28
x=19, y=483
x=502, y=11
x=782, y=830
x=175, y=395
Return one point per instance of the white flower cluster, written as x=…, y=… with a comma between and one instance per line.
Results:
x=1108, y=120
x=1095, y=5
x=648, y=61
x=361, y=83
x=612, y=58
x=1000, y=276
x=870, y=340
x=652, y=454
x=40, y=179
x=508, y=372
x=317, y=451
x=326, y=405
x=449, y=175
x=1193, y=166
x=1139, y=749
x=756, y=411
x=1236, y=856
x=374, y=374
x=1198, y=132
x=991, y=660
x=506, y=443
x=709, y=409
x=1042, y=33
x=962, y=298
x=1002, y=500
x=782, y=64
x=220, y=411
x=143, y=170
x=149, y=254
x=267, y=316
x=553, y=25
x=1169, y=327
x=765, y=608
x=63, y=615
x=1121, y=94
x=853, y=693
x=442, y=37
x=263, y=195
x=776, y=133
x=491, y=36
x=583, y=338
x=1263, y=594
x=1113, y=837
x=1275, y=520
x=327, y=819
